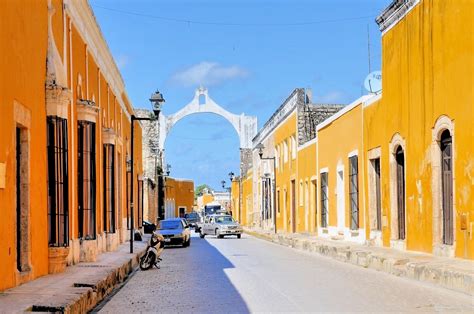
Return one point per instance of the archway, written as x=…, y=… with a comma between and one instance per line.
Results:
x=245, y=126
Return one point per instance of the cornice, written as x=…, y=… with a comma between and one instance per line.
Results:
x=395, y=12
x=84, y=20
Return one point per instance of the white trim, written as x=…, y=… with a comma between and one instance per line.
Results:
x=307, y=144
x=272, y=131
x=324, y=170
x=84, y=21
x=353, y=153
x=401, y=17
x=340, y=167
x=343, y=111
x=372, y=100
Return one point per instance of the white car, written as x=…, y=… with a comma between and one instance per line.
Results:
x=220, y=226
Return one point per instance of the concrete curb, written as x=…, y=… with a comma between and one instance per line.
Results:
x=452, y=274
x=77, y=290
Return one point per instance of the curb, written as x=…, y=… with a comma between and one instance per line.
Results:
x=418, y=266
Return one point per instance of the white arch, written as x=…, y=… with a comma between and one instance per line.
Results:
x=245, y=126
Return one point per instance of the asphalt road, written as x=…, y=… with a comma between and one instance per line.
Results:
x=252, y=275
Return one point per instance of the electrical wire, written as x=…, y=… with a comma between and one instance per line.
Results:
x=188, y=21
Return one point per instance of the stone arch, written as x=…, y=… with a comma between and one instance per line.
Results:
x=245, y=126
x=442, y=124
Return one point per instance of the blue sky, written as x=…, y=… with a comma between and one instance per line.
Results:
x=250, y=54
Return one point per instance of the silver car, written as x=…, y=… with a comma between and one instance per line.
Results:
x=220, y=226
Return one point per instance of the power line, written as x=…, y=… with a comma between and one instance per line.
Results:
x=188, y=21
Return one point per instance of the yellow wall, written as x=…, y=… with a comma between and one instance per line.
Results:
x=247, y=199
x=307, y=176
x=286, y=171
x=235, y=199
x=184, y=195
x=427, y=65
x=336, y=141
x=23, y=30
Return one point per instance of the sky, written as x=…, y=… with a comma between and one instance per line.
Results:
x=249, y=54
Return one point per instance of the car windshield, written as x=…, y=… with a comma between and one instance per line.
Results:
x=224, y=220
x=170, y=224
x=192, y=215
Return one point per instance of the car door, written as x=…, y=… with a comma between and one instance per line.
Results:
x=205, y=227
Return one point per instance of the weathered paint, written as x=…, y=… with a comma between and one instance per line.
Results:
x=427, y=65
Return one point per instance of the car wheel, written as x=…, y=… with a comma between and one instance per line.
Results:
x=238, y=236
x=189, y=242
x=202, y=235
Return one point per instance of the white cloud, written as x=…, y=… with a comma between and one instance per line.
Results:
x=332, y=97
x=208, y=74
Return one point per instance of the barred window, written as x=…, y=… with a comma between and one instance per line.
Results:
x=129, y=221
x=109, y=188
x=58, y=187
x=86, y=179
x=140, y=203
x=324, y=199
x=354, y=191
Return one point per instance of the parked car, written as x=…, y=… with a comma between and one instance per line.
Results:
x=192, y=218
x=148, y=227
x=175, y=231
x=220, y=226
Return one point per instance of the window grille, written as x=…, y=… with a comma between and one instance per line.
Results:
x=109, y=188
x=58, y=182
x=354, y=191
x=324, y=200
x=140, y=203
x=86, y=180
x=129, y=221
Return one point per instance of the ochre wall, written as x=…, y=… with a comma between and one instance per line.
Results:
x=23, y=46
x=307, y=175
x=286, y=172
x=184, y=195
x=335, y=142
x=247, y=200
x=427, y=62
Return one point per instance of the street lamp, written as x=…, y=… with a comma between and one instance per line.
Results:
x=157, y=101
x=231, y=179
x=260, y=148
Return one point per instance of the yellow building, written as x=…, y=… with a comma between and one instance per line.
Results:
x=235, y=199
x=340, y=189
x=418, y=137
x=179, y=197
x=64, y=138
x=247, y=200
x=288, y=140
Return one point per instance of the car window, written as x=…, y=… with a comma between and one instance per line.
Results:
x=224, y=219
x=170, y=224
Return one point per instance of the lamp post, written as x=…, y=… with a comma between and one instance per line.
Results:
x=157, y=101
x=231, y=179
x=260, y=148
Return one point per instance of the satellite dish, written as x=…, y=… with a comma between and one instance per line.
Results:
x=373, y=82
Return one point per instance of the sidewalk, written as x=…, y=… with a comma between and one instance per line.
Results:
x=454, y=274
x=78, y=289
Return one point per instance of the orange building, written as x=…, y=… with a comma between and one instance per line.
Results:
x=179, y=197
x=65, y=125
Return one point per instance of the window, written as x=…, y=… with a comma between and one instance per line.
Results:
x=129, y=179
x=109, y=188
x=324, y=200
x=446, y=143
x=285, y=151
x=86, y=179
x=377, y=195
x=140, y=203
x=278, y=201
x=400, y=175
x=354, y=191
x=293, y=147
x=22, y=200
x=58, y=179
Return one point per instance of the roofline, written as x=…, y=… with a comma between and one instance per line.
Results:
x=343, y=111
x=394, y=13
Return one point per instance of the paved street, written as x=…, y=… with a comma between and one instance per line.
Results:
x=252, y=275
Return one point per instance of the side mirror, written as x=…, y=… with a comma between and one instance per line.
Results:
x=187, y=226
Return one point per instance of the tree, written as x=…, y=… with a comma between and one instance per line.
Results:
x=200, y=188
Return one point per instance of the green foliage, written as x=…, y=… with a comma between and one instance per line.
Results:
x=200, y=188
